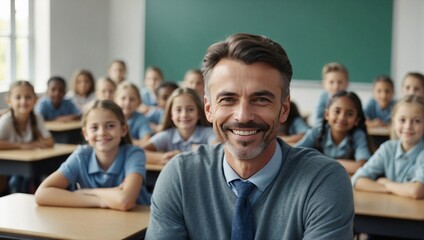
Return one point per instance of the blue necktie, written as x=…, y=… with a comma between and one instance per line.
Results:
x=242, y=227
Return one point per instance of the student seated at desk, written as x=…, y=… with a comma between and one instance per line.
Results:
x=193, y=79
x=117, y=71
x=105, y=89
x=183, y=128
x=295, y=127
x=109, y=171
x=82, y=92
x=128, y=98
x=413, y=83
x=53, y=106
x=378, y=109
x=155, y=113
x=335, y=78
x=152, y=78
x=342, y=134
x=21, y=128
x=398, y=165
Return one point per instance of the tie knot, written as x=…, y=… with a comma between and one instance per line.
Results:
x=243, y=188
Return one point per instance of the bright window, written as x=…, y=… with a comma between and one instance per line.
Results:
x=15, y=41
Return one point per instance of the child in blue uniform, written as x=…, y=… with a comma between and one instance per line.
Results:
x=155, y=113
x=105, y=89
x=152, y=80
x=342, y=134
x=53, y=106
x=109, y=172
x=184, y=127
x=413, y=83
x=398, y=165
x=128, y=98
x=335, y=78
x=378, y=109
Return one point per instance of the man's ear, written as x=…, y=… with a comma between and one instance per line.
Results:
x=285, y=110
x=208, y=110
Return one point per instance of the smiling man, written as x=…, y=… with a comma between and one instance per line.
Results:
x=251, y=186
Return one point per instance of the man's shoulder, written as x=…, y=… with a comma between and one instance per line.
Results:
x=307, y=159
x=204, y=157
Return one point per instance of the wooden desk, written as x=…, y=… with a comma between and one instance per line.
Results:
x=33, y=163
x=63, y=126
x=379, y=131
x=388, y=215
x=22, y=218
x=154, y=167
x=66, y=132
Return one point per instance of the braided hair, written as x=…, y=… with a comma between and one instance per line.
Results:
x=361, y=122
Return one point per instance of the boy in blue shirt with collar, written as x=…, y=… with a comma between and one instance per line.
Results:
x=378, y=109
x=53, y=106
x=335, y=78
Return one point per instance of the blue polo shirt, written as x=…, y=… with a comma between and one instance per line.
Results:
x=298, y=126
x=373, y=111
x=139, y=126
x=395, y=164
x=170, y=139
x=83, y=168
x=359, y=146
x=154, y=115
x=320, y=108
x=46, y=109
x=147, y=97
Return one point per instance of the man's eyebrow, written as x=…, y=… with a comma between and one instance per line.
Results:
x=226, y=94
x=255, y=94
x=264, y=93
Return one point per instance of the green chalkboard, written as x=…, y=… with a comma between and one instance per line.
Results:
x=356, y=33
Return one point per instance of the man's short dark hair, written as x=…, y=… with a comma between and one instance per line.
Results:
x=249, y=49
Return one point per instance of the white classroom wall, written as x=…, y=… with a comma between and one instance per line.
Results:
x=91, y=33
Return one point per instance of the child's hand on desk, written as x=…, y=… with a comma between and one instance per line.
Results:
x=168, y=155
x=383, y=181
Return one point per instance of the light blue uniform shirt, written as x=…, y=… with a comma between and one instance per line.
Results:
x=359, y=150
x=154, y=115
x=139, y=126
x=298, y=126
x=261, y=179
x=170, y=139
x=46, y=109
x=393, y=163
x=373, y=111
x=147, y=97
x=83, y=168
x=320, y=108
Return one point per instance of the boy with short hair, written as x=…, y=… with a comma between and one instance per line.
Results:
x=378, y=109
x=335, y=78
x=54, y=106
